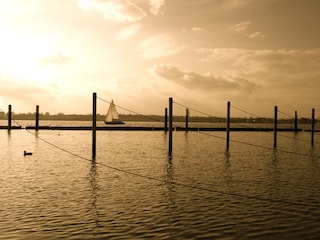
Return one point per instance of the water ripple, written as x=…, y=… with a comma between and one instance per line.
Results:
x=202, y=193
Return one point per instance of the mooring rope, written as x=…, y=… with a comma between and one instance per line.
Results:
x=193, y=109
x=286, y=114
x=181, y=183
x=241, y=110
x=270, y=133
x=259, y=146
x=242, y=125
x=278, y=134
x=281, y=135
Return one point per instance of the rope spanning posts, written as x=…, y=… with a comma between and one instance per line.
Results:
x=312, y=127
x=94, y=125
x=275, y=126
x=241, y=110
x=228, y=125
x=193, y=109
x=9, y=116
x=170, y=127
x=37, y=117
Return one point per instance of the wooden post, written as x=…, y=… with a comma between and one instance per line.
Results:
x=94, y=125
x=187, y=119
x=275, y=126
x=312, y=127
x=295, y=121
x=37, y=117
x=9, y=117
x=170, y=127
x=166, y=119
x=228, y=125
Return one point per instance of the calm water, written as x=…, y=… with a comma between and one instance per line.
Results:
x=134, y=191
x=25, y=123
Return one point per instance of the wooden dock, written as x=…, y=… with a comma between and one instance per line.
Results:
x=12, y=127
x=148, y=128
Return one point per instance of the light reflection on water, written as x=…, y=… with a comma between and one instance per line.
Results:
x=203, y=192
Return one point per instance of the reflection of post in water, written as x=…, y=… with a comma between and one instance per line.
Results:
x=227, y=166
x=9, y=133
x=168, y=179
x=275, y=171
x=94, y=188
x=11, y=148
x=227, y=156
x=171, y=213
x=36, y=134
x=169, y=175
x=274, y=164
x=274, y=158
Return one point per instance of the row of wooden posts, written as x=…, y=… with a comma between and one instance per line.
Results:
x=169, y=119
x=10, y=118
x=94, y=125
x=170, y=129
x=275, y=128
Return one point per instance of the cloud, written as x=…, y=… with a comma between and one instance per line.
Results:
x=243, y=28
x=256, y=35
x=55, y=59
x=261, y=78
x=129, y=31
x=236, y=3
x=156, y=6
x=204, y=82
x=283, y=77
x=198, y=29
x=123, y=10
x=22, y=92
x=280, y=70
x=115, y=10
x=161, y=45
x=193, y=29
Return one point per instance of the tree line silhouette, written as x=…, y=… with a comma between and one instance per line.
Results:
x=147, y=118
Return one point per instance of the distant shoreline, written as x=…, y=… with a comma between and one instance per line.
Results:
x=147, y=118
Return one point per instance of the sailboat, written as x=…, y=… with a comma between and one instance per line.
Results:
x=112, y=116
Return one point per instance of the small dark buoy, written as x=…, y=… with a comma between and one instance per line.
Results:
x=27, y=153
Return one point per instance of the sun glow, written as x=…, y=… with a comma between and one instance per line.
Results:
x=21, y=55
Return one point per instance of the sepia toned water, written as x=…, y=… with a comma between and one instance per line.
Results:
x=133, y=191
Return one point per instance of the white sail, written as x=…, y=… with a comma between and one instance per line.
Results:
x=112, y=114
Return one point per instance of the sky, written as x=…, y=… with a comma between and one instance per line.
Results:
x=257, y=54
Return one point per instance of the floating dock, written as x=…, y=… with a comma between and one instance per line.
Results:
x=12, y=127
x=141, y=128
